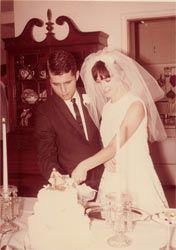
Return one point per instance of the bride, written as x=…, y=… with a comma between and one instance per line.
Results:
x=121, y=95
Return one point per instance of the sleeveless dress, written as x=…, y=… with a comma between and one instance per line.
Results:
x=134, y=171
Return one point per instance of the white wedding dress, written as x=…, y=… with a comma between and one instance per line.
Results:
x=134, y=171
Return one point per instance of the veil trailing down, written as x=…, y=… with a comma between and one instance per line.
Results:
x=136, y=79
x=122, y=94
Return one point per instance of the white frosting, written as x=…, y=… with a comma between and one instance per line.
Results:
x=59, y=221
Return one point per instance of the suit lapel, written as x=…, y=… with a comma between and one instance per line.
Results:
x=88, y=120
x=61, y=105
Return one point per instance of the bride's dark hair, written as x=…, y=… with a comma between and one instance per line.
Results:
x=99, y=69
x=132, y=76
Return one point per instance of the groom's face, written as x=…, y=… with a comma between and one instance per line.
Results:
x=64, y=85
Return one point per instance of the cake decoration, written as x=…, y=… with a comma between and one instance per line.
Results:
x=58, y=182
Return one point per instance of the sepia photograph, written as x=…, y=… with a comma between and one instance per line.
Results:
x=88, y=125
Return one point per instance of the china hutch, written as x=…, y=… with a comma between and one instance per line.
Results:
x=28, y=81
x=28, y=84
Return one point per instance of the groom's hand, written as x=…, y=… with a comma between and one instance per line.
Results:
x=79, y=174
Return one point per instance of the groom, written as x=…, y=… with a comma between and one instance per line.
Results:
x=65, y=133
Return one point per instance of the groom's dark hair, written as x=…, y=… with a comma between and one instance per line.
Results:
x=60, y=62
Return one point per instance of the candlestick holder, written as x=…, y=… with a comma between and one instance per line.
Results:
x=9, y=209
x=116, y=218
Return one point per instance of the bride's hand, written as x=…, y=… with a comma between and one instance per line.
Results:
x=110, y=165
x=79, y=174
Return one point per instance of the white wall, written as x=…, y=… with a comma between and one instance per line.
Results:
x=107, y=16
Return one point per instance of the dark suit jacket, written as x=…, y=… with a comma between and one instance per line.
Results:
x=60, y=142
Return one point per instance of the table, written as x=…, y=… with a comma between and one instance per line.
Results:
x=147, y=235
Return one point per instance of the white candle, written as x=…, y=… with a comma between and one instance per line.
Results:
x=127, y=160
x=5, y=173
x=118, y=164
x=122, y=162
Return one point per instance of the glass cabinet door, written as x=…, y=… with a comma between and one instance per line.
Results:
x=31, y=86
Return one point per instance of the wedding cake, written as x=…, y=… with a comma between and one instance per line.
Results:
x=58, y=222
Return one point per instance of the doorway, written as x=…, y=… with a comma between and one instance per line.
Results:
x=152, y=40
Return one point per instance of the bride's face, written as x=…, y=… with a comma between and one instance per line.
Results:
x=109, y=86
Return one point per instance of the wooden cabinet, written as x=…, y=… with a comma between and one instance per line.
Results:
x=28, y=81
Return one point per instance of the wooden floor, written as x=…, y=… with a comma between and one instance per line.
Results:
x=24, y=172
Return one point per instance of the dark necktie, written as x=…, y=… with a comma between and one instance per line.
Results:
x=77, y=113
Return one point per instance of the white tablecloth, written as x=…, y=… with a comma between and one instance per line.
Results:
x=147, y=235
